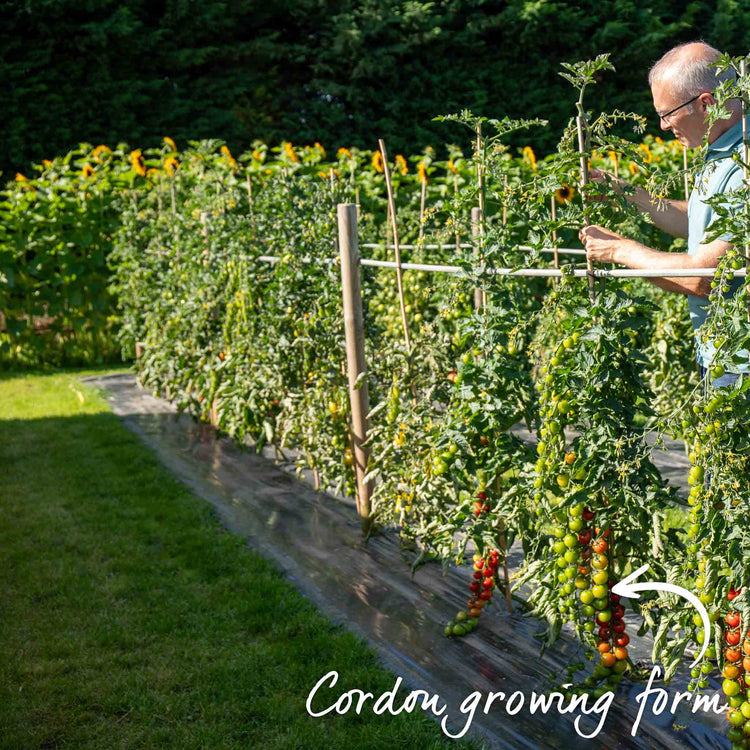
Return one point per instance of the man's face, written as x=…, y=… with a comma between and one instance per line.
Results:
x=687, y=124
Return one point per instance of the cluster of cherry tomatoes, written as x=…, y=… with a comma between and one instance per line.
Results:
x=482, y=584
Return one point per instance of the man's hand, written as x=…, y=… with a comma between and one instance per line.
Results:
x=602, y=178
x=601, y=244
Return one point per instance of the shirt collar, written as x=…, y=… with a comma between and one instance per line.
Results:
x=726, y=141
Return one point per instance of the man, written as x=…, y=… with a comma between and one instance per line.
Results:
x=682, y=82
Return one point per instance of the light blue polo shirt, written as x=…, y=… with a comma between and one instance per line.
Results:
x=719, y=175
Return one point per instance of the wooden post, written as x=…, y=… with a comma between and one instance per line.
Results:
x=396, y=249
x=475, y=229
x=359, y=399
x=584, y=167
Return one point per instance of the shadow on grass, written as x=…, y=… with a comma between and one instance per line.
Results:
x=131, y=617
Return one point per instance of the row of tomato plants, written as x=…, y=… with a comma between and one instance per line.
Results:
x=264, y=343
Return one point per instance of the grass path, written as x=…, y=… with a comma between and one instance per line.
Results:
x=130, y=618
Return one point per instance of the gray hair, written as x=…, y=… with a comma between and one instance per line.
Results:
x=690, y=70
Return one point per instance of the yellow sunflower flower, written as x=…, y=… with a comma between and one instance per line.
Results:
x=613, y=158
x=100, y=152
x=564, y=194
x=401, y=164
x=289, y=151
x=136, y=160
x=633, y=168
x=377, y=161
x=451, y=166
x=170, y=143
x=257, y=155
x=226, y=152
x=422, y=172
x=21, y=178
x=343, y=153
x=87, y=171
x=46, y=163
x=322, y=175
x=171, y=164
x=152, y=172
x=646, y=151
x=321, y=149
x=528, y=155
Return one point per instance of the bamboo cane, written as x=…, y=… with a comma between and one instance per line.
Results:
x=475, y=214
x=457, y=236
x=355, y=352
x=480, y=184
x=744, y=168
x=583, y=182
x=685, y=175
x=396, y=249
x=554, y=233
x=422, y=200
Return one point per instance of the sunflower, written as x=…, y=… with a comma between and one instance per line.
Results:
x=152, y=172
x=170, y=143
x=401, y=164
x=100, y=152
x=343, y=153
x=422, y=172
x=613, y=158
x=257, y=155
x=377, y=161
x=322, y=175
x=528, y=155
x=46, y=163
x=226, y=152
x=136, y=160
x=451, y=166
x=564, y=194
x=633, y=168
x=87, y=171
x=321, y=149
x=21, y=178
x=171, y=165
x=289, y=151
x=646, y=151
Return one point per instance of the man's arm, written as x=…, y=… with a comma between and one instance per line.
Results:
x=669, y=215
x=605, y=246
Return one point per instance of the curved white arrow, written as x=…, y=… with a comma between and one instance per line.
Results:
x=627, y=588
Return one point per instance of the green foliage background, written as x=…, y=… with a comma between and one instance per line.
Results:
x=341, y=72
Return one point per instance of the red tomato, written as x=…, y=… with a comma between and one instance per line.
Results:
x=599, y=546
x=732, y=637
x=733, y=619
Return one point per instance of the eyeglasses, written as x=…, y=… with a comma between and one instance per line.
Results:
x=667, y=115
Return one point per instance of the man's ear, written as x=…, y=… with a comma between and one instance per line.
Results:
x=706, y=99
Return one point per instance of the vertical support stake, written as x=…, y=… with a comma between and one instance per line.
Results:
x=359, y=399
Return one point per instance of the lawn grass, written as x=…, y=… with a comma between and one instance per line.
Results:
x=131, y=618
